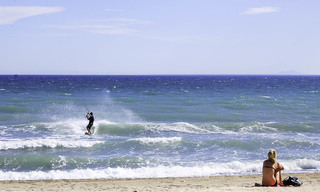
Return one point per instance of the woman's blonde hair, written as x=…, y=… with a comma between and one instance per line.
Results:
x=272, y=155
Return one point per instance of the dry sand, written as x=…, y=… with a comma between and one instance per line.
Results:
x=220, y=183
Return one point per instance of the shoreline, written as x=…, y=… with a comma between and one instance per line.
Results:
x=311, y=182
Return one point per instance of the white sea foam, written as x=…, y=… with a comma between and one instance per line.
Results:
x=47, y=142
x=210, y=169
x=302, y=164
x=3, y=130
x=149, y=140
x=187, y=127
x=73, y=126
x=183, y=127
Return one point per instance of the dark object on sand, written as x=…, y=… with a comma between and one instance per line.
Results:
x=294, y=181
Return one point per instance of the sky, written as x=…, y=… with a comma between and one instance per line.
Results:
x=159, y=37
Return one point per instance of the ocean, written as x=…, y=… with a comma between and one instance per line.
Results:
x=156, y=126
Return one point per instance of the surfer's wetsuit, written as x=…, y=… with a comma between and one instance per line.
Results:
x=91, y=120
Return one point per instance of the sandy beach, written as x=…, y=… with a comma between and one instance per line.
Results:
x=219, y=183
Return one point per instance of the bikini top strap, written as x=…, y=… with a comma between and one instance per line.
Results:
x=270, y=167
x=275, y=170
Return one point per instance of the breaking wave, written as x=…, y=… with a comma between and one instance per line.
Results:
x=210, y=169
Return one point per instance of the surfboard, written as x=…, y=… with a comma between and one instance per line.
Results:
x=86, y=133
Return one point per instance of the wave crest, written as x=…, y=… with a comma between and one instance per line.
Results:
x=46, y=143
x=149, y=140
x=210, y=169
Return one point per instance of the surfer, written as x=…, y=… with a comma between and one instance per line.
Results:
x=90, y=117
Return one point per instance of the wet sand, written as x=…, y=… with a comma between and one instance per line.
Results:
x=311, y=183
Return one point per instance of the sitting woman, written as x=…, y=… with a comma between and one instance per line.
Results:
x=271, y=172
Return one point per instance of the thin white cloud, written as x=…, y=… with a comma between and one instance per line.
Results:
x=121, y=20
x=99, y=29
x=261, y=10
x=9, y=15
x=114, y=29
x=112, y=26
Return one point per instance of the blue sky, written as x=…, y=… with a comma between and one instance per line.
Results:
x=120, y=37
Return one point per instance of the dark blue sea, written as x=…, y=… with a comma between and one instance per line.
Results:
x=156, y=126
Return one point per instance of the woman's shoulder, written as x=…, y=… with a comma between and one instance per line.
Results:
x=267, y=162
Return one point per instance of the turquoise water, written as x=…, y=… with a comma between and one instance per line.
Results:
x=156, y=126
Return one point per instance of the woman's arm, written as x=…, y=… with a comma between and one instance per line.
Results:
x=279, y=167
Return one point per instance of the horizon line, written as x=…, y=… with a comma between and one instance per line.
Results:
x=159, y=74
